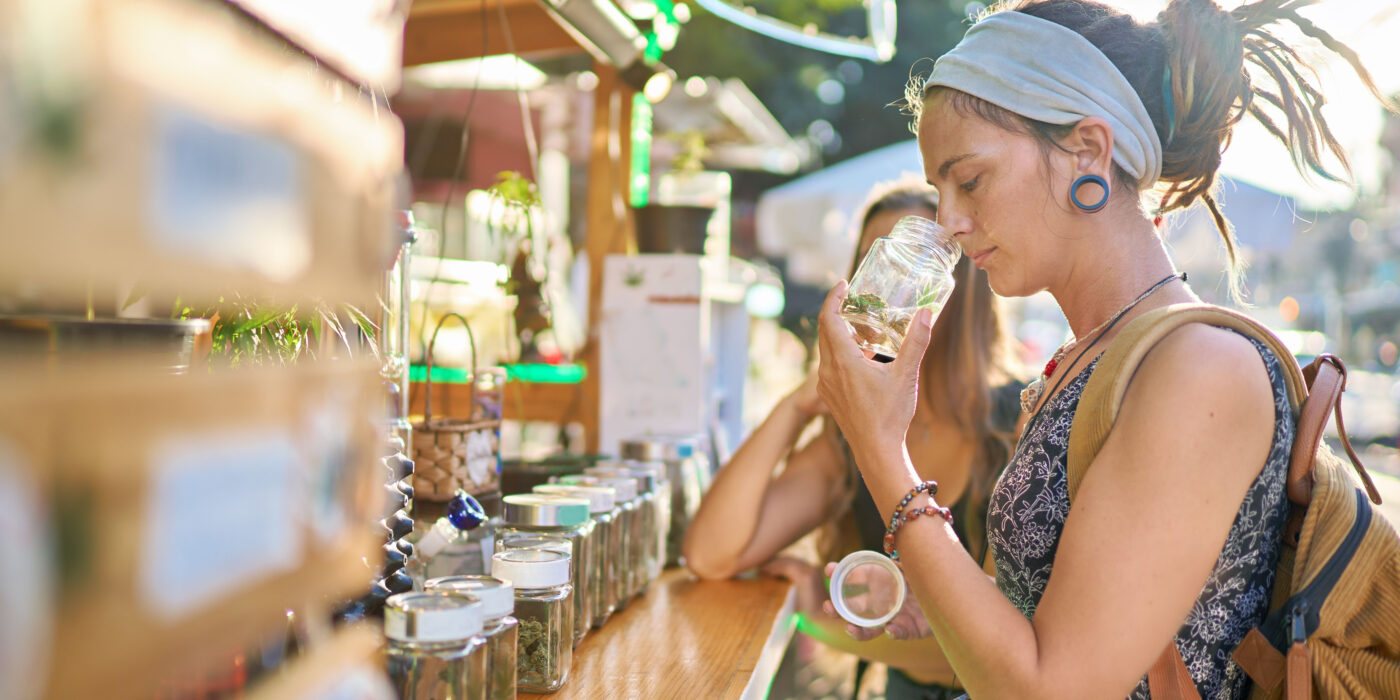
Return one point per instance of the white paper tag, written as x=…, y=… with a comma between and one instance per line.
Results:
x=228, y=197
x=25, y=604
x=488, y=550
x=481, y=459
x=221, y=514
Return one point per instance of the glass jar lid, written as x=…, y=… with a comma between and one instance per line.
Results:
x=432, y=616
x=497, y=597
x=531, y=568
x=545, y=510
x=600, y=500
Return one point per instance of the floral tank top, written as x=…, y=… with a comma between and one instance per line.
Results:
x=1031, y=500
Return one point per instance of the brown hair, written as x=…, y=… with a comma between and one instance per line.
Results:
x=970, y=353
x=1216, y=66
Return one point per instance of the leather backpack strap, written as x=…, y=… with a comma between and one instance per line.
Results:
x=1168, y=679
x=1326, y=377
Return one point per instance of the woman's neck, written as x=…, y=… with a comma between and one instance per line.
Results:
x=1114, y=268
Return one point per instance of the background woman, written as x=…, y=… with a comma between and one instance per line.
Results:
x=960, y=434
x=1042, y=130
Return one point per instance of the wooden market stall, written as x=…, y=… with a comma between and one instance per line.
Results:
x=441, y=30
x=712, y=639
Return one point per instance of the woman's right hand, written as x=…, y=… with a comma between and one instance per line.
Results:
x=806, y=399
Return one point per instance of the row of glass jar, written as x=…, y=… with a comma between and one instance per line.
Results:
x=481, y=637
x=621, y=548
x=575, y=551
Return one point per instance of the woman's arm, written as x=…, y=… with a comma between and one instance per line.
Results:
x=748, y=516
x=1144, y=533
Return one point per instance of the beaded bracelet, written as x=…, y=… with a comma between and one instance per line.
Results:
x=898, y=518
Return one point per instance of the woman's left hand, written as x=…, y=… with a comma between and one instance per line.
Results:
x=907, y=624
x=873, y=402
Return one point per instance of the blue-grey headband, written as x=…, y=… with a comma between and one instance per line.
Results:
x=1050, y=73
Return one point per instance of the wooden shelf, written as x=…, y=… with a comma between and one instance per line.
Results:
x=552, y=403
x=687, y=638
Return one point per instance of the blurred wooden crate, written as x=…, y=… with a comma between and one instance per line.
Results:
x=348, y=666
x=169, y=145
x=186, y=514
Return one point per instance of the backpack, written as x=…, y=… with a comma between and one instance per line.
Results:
x=1333, y=627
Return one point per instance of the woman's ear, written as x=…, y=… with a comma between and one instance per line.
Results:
x=1090, y=143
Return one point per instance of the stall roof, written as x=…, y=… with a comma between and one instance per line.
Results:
x=446, y=30
x=739, y=132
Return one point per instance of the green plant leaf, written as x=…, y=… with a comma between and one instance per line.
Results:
x=927, y=296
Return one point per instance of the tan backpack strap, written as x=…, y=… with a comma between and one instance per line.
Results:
x=1098, y=405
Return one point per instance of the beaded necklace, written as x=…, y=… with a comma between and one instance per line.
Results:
x=1031, y=394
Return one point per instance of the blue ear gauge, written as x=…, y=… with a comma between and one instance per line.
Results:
x=1079, y=182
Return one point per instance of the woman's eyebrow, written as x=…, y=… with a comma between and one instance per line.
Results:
x=947, y=164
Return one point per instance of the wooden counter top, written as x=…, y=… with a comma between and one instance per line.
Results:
x=686, y=638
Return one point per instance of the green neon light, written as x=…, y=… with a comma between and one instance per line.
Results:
x=666, y=8
x=531, y=373
x=651, y=55
x=640, y=185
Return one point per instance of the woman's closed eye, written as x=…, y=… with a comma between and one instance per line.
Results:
x=970, y=184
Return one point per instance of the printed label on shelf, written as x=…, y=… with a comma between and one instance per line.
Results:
x=329, y=451
x=24, y=599
x=222, y=514
x=233, y=198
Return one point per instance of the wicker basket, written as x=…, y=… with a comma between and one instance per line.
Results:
x=455, y=453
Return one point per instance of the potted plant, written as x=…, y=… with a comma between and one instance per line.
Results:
x=677, y=228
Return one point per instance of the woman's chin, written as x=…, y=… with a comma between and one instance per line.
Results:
x=1005, y=285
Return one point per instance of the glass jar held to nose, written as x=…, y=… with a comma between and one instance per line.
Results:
x=910, y=269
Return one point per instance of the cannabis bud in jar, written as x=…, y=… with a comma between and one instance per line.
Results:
x=544, y=605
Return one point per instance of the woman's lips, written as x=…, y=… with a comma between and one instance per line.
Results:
x=980, y=257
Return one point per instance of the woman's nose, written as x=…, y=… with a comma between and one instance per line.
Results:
x=954, y=223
